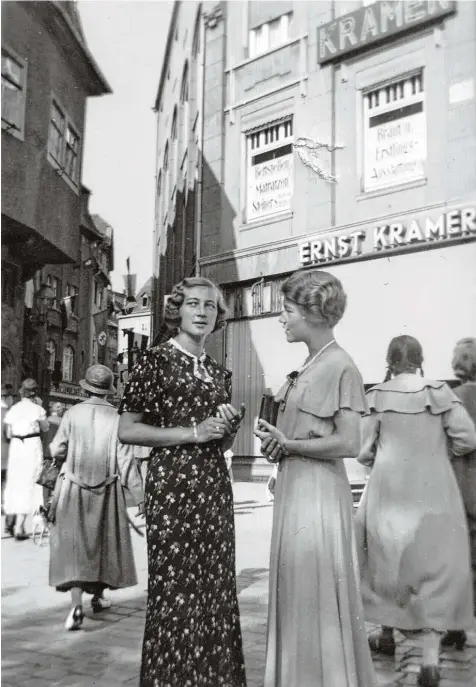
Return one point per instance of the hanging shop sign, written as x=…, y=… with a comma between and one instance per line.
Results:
x=270, y=183
x=451, y=225
x=379, y=21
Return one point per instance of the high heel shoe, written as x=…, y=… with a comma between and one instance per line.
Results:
x=74, y=619
x=455, y=638
x=429, y=676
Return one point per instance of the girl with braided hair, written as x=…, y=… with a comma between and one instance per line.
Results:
x=411, y=527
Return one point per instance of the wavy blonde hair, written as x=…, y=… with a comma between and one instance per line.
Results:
x=464, y=359
x=318, y=293
x=175, y=300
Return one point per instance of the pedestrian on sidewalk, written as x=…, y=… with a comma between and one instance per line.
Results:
x=54, y=419
x=90, y=541
x=177, y=401
x=316, y=630
x=7, y=402
x=24, y=423
x=411, y=528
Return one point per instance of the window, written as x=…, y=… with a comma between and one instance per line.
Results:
x=53, y=284
x=98, y=293
x=166, y=171
x=64, y=144
x=270, y=35
x=10, y=279
x=13, y=93
x=394, y=139
x=144, y=301
x=184, y=114
x=72, y=291
x=269, y=170
x=51, y=354
x=68, y=363
x=174, y=151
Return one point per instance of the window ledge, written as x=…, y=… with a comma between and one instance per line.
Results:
x=392, y=189
x=61, y=173
x=13, y=130
x=264, y=221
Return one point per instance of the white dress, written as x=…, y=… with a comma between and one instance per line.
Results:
x=22, y=494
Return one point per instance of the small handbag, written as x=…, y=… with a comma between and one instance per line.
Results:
x=269, y=409
x=49, y=474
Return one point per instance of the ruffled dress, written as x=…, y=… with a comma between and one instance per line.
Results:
x=411, y=527
x=316, y=630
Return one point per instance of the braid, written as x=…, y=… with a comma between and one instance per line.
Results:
x=388, y=375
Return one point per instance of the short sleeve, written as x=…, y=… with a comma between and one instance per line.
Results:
x=352, y=392
x=142, y=392
x=41, y=414
x=337, y=387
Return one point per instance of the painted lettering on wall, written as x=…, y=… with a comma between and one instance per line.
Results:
x=448, y=225
x=380, y=20
x=270, y=186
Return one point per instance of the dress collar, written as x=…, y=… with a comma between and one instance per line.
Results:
x=199, y=369
x=184, y=350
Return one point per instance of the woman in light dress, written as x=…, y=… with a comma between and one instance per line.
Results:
x=24, y=423
x=411, y=527
x=316, y=629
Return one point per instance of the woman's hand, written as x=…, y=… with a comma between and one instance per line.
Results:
x=211, y=429
x=140, y=509
x=273, y=441
x=232, y=416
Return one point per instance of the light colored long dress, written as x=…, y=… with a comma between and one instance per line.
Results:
x=411, y=526
x=90, y=543
x=316, y=630
x=22, y=494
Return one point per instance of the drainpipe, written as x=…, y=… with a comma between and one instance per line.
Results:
x=201, y=96
x=157, y=229
x=333, y=128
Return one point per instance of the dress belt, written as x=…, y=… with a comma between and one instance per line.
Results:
x=25, y=436
x=90, y=487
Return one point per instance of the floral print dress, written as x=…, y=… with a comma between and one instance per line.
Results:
x=192, y=631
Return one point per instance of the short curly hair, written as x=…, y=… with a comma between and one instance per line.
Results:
x=318, y=293
x=176, y=298
x=464, y=359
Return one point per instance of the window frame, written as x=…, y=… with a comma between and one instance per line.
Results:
x=68, y=363
x=54, y=284
x=74, y=180
x=366, y=113
x=10, y=127
x=51, y=348
x=285, y=26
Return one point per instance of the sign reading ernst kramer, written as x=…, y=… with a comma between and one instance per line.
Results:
x=376, y=22
x=360, y=243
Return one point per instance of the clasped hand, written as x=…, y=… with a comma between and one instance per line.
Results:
x=273, y=441
x=224, y=424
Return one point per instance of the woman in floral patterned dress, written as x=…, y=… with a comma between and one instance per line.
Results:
x=177, y=401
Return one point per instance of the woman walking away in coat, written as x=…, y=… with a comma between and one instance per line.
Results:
x=411, y=527
x=24, y=423
x=90, y=542
x=464, y=367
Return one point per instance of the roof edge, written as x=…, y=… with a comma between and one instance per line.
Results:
x=168, y=50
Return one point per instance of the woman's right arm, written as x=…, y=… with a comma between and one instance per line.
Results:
x=370, y=432
x=460, y=429
x=132, y=430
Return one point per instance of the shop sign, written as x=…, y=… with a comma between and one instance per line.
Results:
x=379, y=21
x=361, y=243
x=69, y=389
x=270, y=187
x=395, y=147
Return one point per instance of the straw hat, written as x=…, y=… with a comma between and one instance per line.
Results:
x=98, y=380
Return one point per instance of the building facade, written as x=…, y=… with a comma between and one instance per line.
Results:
x=340, y=135
x=133, y=333
x=48, y=74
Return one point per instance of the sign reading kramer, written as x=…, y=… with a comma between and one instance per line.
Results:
x=449, y=225
x=376, y=22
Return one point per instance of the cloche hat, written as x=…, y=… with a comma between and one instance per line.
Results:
x=98, y=380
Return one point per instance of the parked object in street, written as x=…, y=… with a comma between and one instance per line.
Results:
x=90, y=541
x=177, y=401
x=316, y=629
x=411, y=528
x=24, y=423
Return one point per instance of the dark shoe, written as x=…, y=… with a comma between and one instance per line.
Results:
x=20, y=534
x=99, y=604
x=429, y=676
x=454, y=638
x=381, y=644
x=74, y=619
x=9, y=529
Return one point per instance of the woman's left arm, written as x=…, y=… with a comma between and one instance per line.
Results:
x=343, y=443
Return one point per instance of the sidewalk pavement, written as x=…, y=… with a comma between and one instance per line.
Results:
x=38, y=652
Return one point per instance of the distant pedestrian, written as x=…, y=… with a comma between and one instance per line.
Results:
x=7, y=402
x=411, y=528
x=90, y=542
x=57, y=410
x=24, y=423
x=177, y=402
x=316, y=629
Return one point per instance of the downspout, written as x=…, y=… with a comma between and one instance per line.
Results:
x=199, y=203
x=333, y=128
x=156, y=259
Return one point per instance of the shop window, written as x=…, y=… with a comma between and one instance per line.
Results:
x=68, y=363
x=51, y=354
x=394, y=137
x=269, y=170
x=13, y=93
x=270, y=35
x=64, y=144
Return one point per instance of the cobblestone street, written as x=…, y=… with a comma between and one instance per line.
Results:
x=38, y=652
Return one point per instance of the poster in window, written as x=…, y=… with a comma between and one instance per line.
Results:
x=395, y=147
x=270, y=183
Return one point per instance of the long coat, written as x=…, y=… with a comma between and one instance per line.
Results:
x=90, y=543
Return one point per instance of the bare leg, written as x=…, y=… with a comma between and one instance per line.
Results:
x=431, y=648
x=76, y=597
